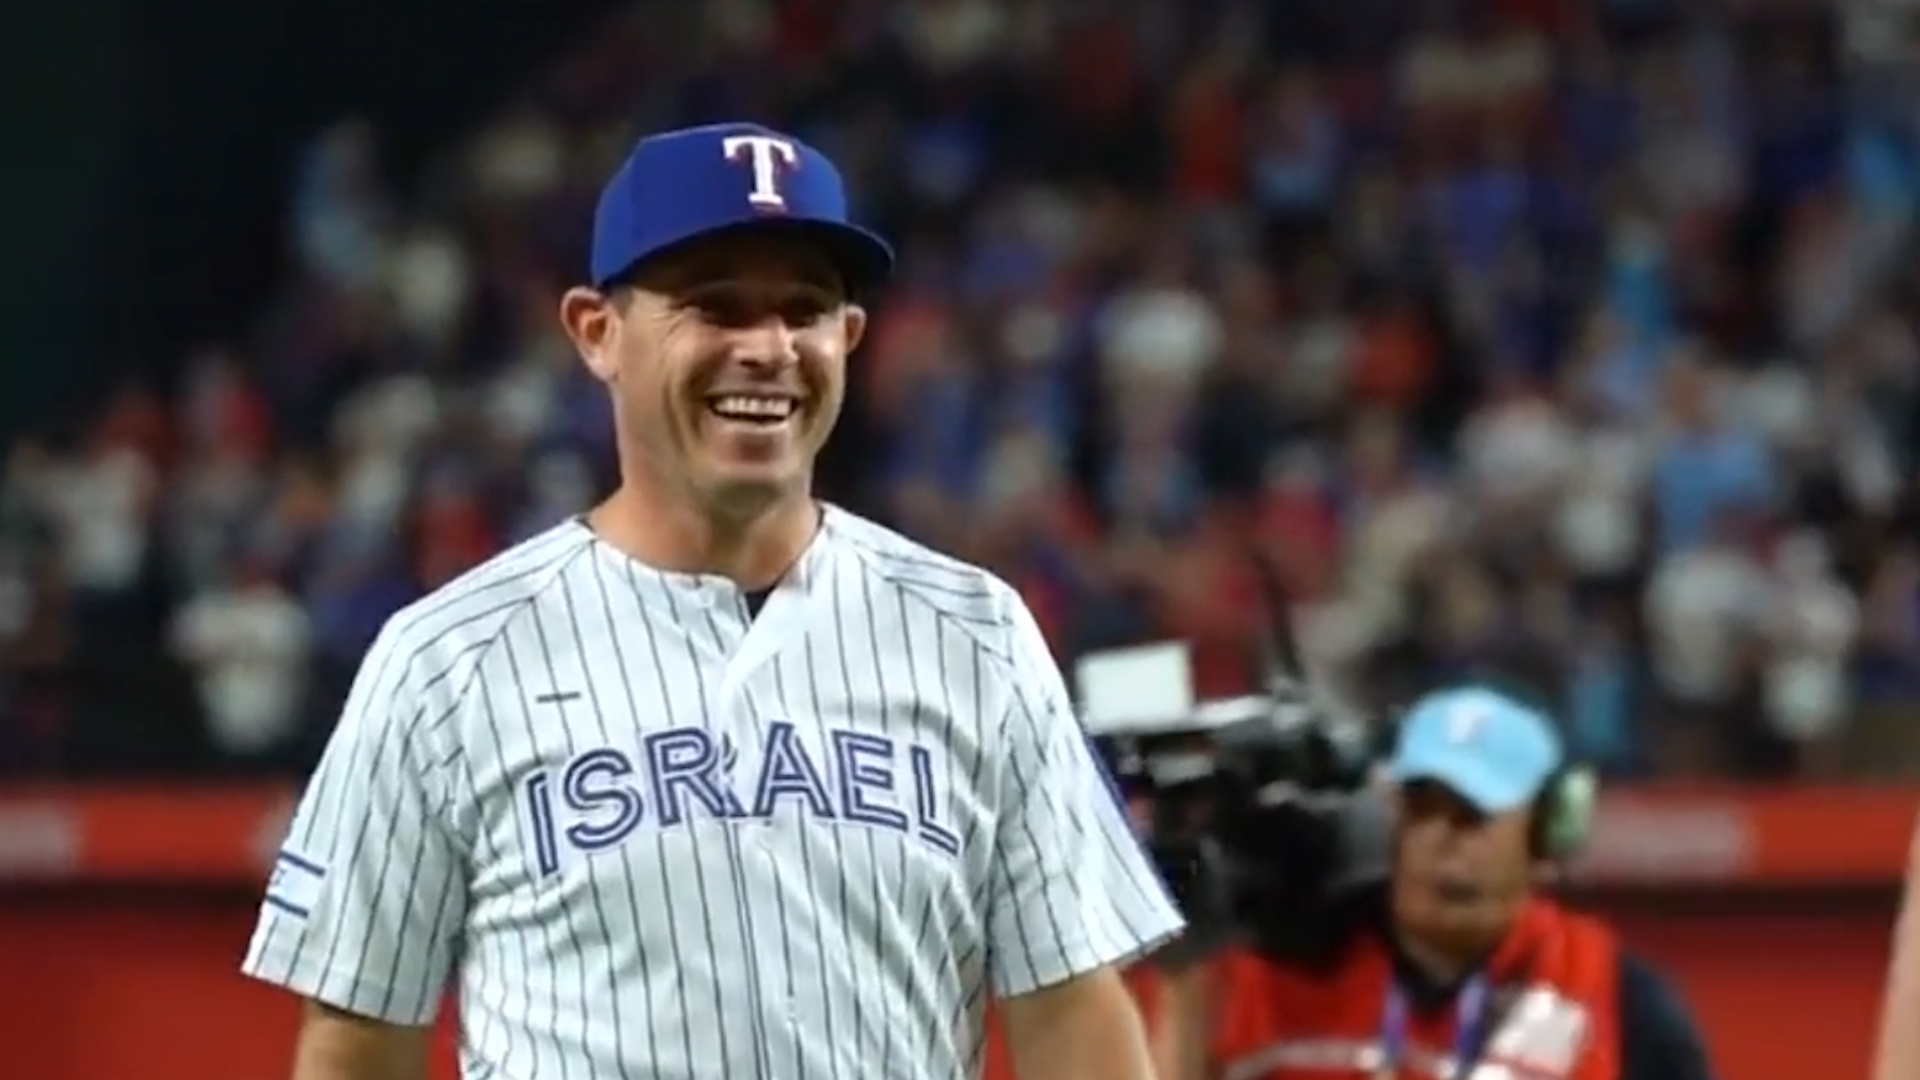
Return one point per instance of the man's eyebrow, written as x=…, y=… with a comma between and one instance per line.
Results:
x=823, y=285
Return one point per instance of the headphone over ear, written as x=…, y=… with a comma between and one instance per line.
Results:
x=1564, y=811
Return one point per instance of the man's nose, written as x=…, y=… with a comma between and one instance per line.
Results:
x=771, y=342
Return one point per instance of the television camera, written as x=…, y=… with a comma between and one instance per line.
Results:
x=1261, y=811
x=1258, y=810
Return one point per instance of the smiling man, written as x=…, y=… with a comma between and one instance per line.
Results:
x=714, y=781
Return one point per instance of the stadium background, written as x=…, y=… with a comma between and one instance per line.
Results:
x=1572, y=341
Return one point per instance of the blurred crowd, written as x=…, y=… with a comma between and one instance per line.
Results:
x=1566, y=343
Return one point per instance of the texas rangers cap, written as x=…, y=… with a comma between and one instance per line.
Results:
x=1494, y=751
x=699, y=182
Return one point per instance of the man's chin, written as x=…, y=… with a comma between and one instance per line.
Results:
x=743, y=492
x=1452, y=920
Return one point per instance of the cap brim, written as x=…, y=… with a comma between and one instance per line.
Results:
x=864, y=260
x=1471, y=778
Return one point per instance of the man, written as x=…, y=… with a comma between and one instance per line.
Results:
x=1456, y=967
x=714, y=781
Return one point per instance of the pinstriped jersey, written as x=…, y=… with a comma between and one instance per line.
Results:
x=644, y=832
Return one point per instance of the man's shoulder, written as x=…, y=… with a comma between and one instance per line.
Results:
x=1645, y=991
x=1658, y=1034
x=475, y=606
x=972, y=595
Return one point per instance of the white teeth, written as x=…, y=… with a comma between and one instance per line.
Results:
x=744, y=407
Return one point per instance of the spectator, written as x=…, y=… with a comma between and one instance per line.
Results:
x=1708, y=468
x=1888, y=669
x=248, y=644
x=1704, y=606
x=340, y=215
x=35, y=630
x=1810, y=632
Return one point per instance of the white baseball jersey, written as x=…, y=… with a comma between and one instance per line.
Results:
x=643, y=833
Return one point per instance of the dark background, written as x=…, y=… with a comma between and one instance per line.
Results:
x=149, y=145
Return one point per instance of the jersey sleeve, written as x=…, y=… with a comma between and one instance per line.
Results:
x=1073, y=890
x=368, y=892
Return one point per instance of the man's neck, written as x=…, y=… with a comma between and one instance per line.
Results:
x=752, y=552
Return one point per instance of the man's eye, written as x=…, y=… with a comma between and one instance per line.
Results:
x=733, y=309
x=803, y=312
x=722, y=310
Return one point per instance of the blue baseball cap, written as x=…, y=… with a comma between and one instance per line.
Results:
x=1492, y=750
x=700, y=182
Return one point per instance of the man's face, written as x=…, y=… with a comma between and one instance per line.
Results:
x=1459, y=874
x=727, y=364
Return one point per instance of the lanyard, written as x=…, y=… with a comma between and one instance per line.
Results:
x=1396, y=1020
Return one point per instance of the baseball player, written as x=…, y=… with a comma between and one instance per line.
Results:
x=714, y=781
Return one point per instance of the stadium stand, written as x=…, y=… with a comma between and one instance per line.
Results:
x=1568, y=342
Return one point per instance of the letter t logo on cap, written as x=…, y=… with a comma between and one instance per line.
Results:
x=770, y=158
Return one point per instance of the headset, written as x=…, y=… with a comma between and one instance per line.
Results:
x=1563, y=811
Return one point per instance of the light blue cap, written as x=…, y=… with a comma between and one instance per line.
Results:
x=1492, y=750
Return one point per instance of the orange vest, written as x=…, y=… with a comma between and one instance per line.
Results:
x=1142, y=979
x=1554, y=1012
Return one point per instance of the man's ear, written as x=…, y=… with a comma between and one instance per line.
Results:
x=854, y=319
x=591, y=320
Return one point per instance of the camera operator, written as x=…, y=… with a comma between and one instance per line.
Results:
x=1450, y=965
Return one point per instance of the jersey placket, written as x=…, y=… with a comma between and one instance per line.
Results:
x=727, y=621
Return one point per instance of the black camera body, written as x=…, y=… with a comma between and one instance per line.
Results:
x=1262, y=819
